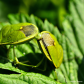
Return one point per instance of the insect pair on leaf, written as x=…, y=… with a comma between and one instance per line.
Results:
x=22, y=32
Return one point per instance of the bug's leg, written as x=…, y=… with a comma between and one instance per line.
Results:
x=45, y=65
x=15, y=58
x=36, y=66
x=9, y=48
x=54, y=73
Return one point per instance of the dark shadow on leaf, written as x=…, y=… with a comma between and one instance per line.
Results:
x=81, y=72
x=30, y=59
x=5, y=71
x=3, y=54
x=34, y=59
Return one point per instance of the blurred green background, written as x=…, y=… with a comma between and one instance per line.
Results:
x=52, y=10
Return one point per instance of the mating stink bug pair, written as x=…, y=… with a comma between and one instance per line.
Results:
x=22, y=32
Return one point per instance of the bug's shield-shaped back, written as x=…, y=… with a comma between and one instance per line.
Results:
x=17, y=33
x=51, y=48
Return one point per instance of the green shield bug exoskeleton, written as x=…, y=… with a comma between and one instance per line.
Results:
x=17, y=33
x=51, y=48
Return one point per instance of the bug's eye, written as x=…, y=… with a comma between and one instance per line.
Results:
x=28, y=30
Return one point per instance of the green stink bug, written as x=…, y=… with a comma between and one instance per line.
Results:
x=51, y=48
x=22, y=32
x=17, y=33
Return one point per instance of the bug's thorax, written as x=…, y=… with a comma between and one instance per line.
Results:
x=47, y=39
x=27, y=30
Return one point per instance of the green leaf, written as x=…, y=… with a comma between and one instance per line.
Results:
x=30, y=78
x=73, y=27
x=74, y=31
x=8, y=66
